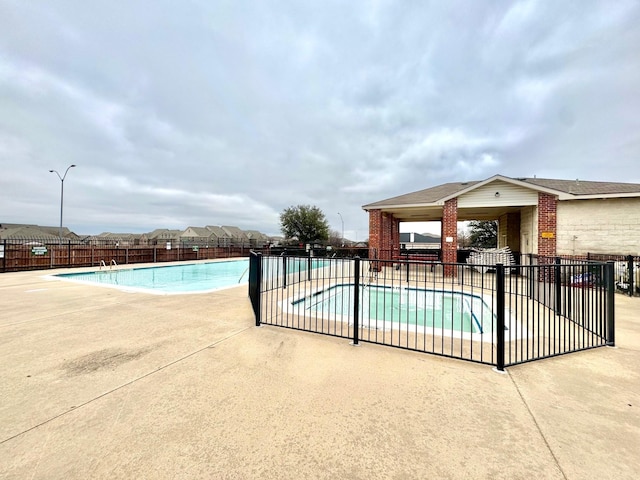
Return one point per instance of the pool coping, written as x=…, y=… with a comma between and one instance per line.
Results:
x=147, y=266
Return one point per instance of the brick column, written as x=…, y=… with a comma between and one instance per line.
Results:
x=375, y=233
x=547, y=225
x=450, y=229
x=389, y=225
x=395, y=236
x=547, y=221
x=384, y=235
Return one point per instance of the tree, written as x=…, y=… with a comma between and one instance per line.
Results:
x=335, y=238
x=484, y=234
x=464, y=240
x=305, y=222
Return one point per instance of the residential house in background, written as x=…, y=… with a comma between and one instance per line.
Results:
x=419, y=240
x=209, y=236
x=257, y=239
x=238, y=237
x=197, y=236
x=164, y=236
x=66, y=233
x=122, y=240
x=222, y=238
x=28, y=233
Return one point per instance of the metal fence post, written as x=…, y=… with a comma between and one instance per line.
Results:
x=630, y=272
x=284, y=270
x=356, y=299
x=533, y=274
x=5, y=252
x=258, y=288
x=255, y=284
x=611, y=317
x=558, y=282
x=69, y=253
x=500, y=316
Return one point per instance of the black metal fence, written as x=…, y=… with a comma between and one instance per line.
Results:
x=23, y=255
x=626, y=268
x=495, y=315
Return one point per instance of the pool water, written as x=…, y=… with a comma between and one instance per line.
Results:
x=278, y=265
x=189, y=278
x=386, y=307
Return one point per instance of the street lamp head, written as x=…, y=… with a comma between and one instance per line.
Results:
x=71, y=166
x=51, y=171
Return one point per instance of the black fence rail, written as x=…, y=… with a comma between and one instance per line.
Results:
x=20, y=256
x=496, y=316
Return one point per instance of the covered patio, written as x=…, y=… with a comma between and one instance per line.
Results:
x=525, y=209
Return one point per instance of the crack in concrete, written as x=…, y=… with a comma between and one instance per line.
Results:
x=538, y=427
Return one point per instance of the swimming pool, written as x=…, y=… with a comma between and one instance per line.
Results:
x=171, y=279
x=420, y=310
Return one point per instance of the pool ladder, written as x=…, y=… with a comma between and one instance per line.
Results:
x=111, y=264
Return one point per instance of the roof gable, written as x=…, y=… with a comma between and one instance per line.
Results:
x=498, y=193
x=234, y=232
x=218, y=231
x=197, y=232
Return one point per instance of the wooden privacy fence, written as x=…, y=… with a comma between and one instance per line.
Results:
x=36, y=256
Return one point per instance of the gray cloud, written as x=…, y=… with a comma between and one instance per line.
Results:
x=200, y=113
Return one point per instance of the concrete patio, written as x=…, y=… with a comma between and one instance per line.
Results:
x=100, y=383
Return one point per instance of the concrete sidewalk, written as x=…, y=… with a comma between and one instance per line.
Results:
x=99, y=383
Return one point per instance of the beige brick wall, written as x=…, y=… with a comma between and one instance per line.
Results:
x=599, y=226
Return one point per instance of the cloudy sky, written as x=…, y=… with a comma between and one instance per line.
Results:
x=209, y=112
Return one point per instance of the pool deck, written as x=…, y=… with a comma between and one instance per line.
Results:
x=101, y=383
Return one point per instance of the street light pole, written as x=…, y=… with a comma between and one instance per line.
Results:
x=61, y=196
x=342, y=239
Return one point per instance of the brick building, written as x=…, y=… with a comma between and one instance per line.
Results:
x=535, y=215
